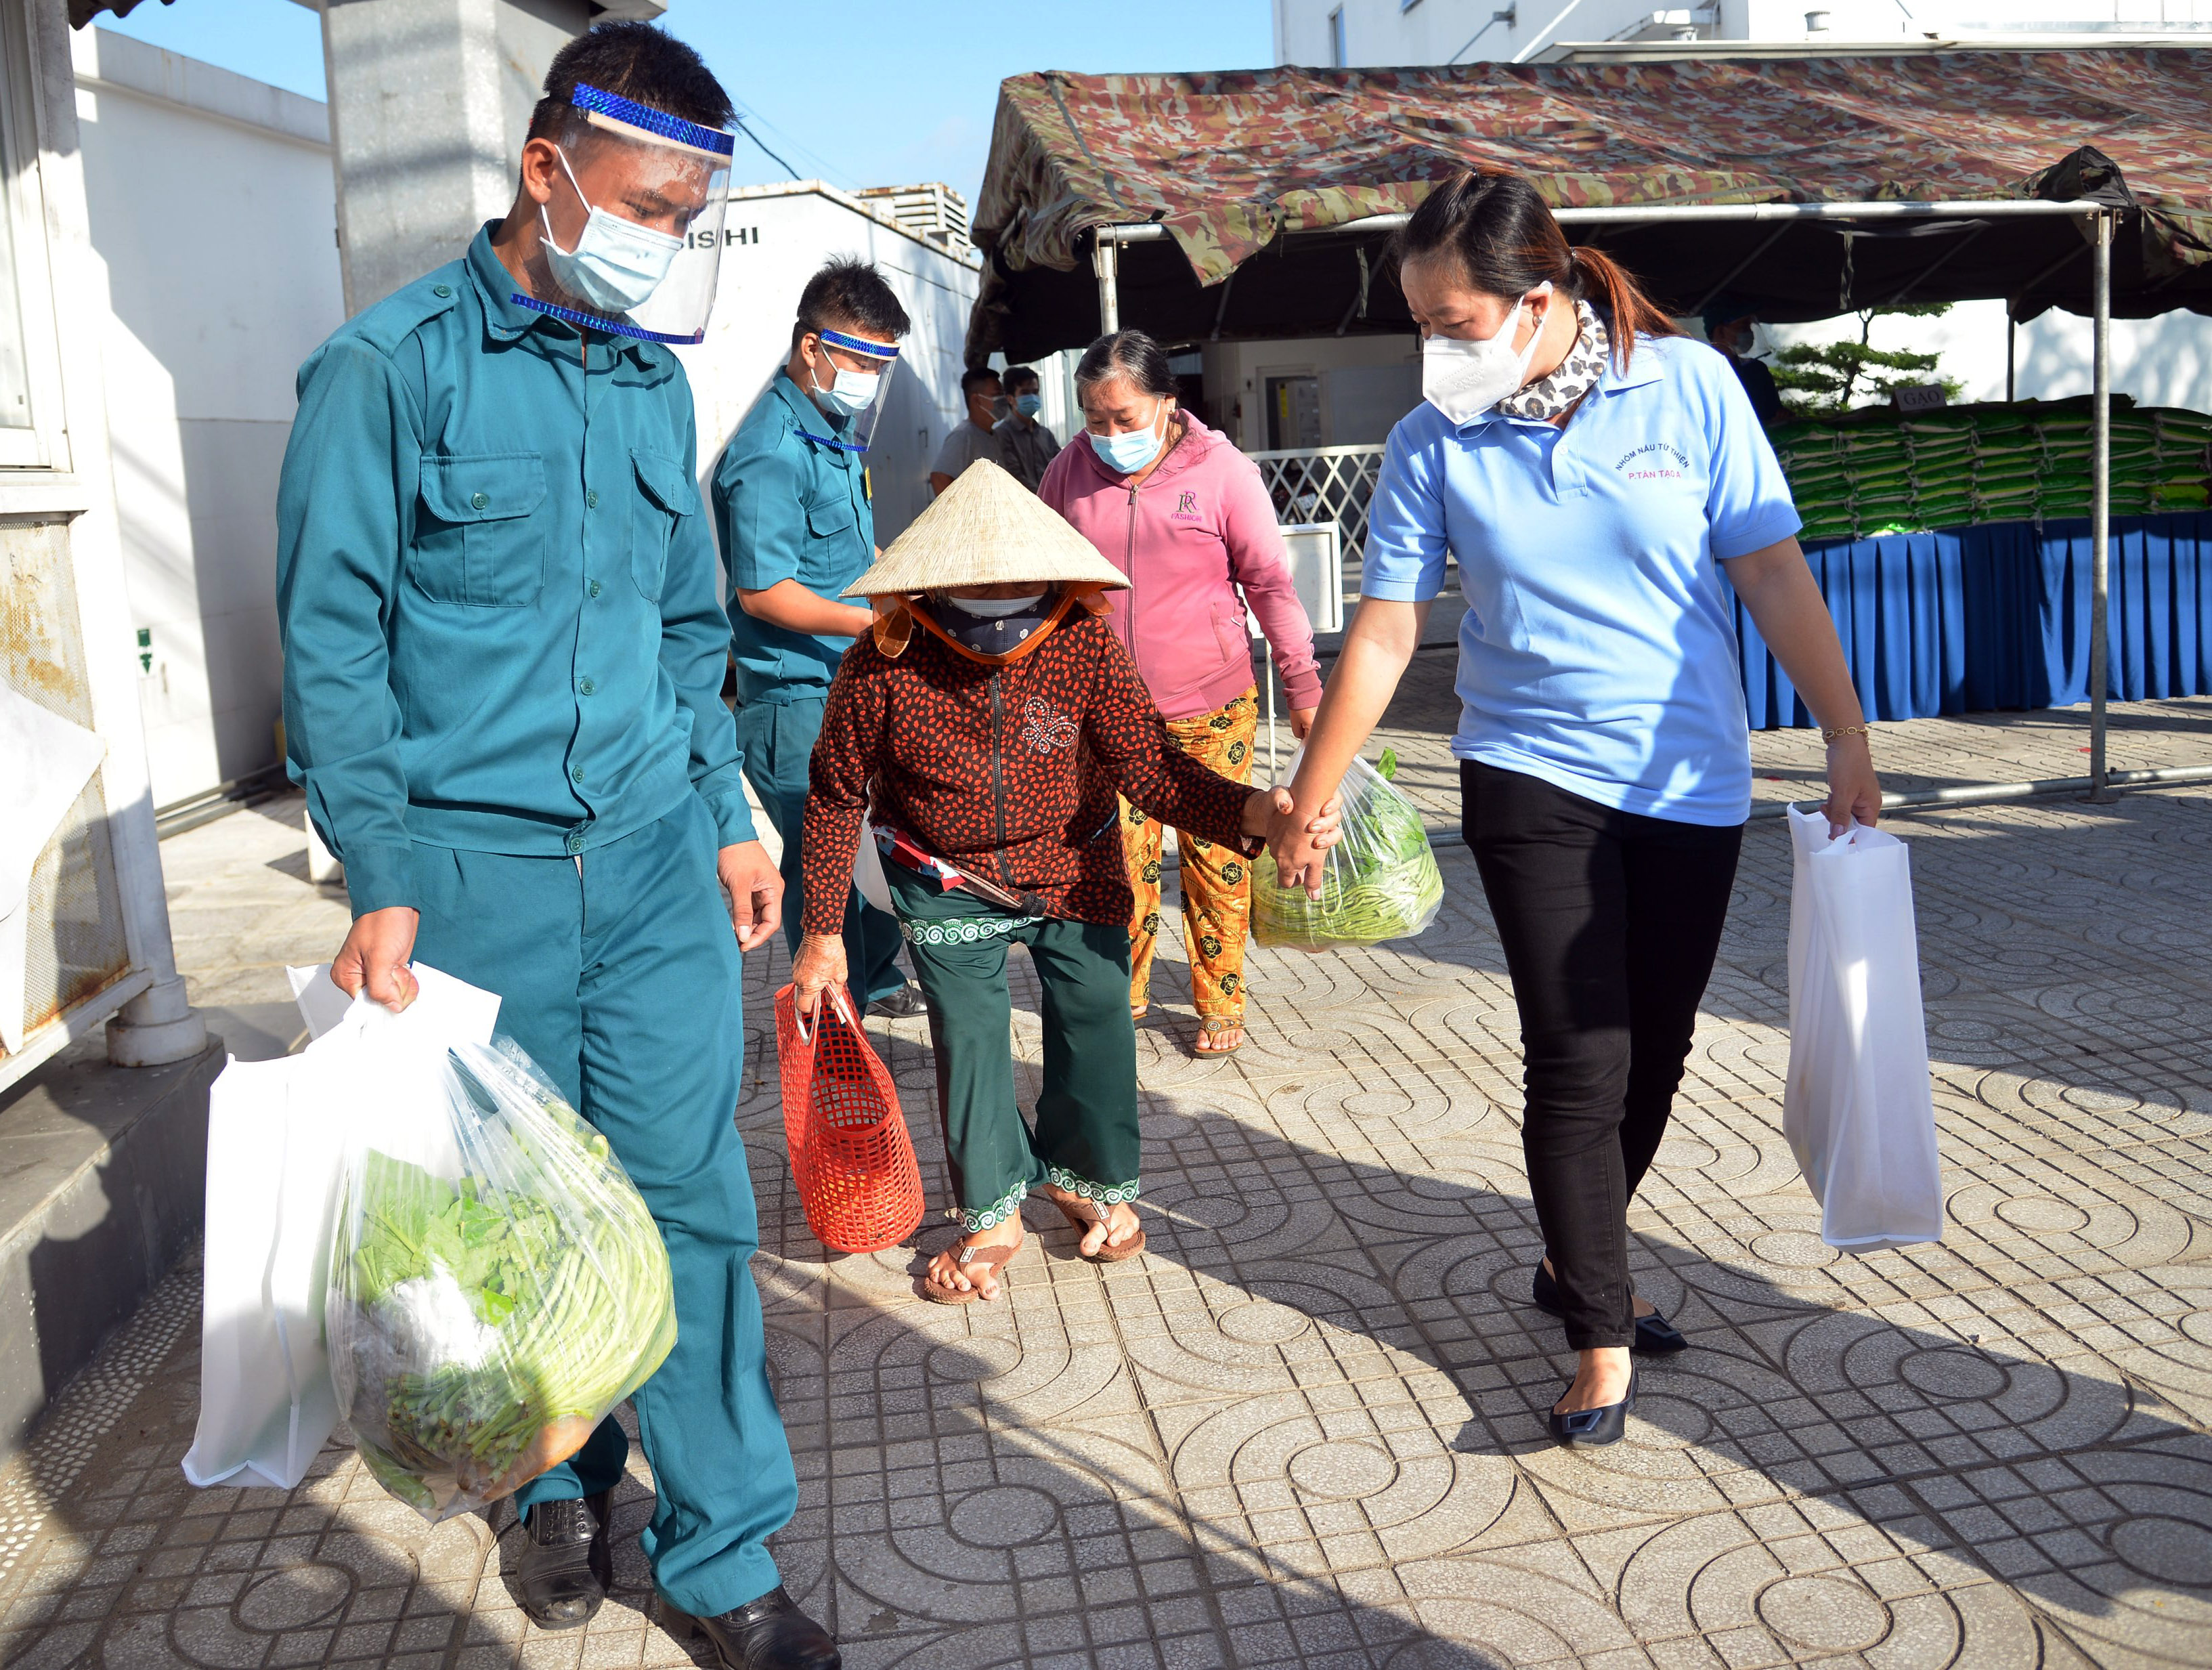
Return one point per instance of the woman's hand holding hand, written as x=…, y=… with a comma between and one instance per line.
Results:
x=1302, y=721
x=1266, y=810
x=1854, y=790
x=1299, y=843
x=819, y=965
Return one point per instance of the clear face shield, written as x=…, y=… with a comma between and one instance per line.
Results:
x=847, y=374
x=632, y=236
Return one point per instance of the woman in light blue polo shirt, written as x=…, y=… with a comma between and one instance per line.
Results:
x=1594, y=471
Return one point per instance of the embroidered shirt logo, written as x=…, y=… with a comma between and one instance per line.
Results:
x=1655, y=460
x=1046, y=729
x=1186, y=508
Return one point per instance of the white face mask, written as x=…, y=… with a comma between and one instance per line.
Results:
x=992, y=608
x=617, y=264
x=1464, y=379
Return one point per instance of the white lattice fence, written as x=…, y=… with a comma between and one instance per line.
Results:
x=1324, y=484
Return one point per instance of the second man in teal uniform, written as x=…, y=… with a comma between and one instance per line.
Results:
x=792, y=503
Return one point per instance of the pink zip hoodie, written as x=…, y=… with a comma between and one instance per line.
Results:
x=1200, y=526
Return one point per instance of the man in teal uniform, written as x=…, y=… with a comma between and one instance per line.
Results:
x=503, y=658
x=790, y=498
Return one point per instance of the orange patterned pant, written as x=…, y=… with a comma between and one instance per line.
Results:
x=1217, y=881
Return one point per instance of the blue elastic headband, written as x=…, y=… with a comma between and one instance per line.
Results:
x=852, y=345
x=615, y=109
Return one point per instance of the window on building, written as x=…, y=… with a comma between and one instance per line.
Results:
x=1336, y=56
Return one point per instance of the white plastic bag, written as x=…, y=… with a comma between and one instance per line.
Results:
x=868, y=871
x=1857, y=1108
x=276, y=1143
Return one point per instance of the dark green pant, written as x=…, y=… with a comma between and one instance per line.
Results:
x=1086, y=1139
x=778, y=740
x=620, y=976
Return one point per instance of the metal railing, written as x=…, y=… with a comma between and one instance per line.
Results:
x=1324, y=484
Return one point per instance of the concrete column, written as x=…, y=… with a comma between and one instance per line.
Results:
x=429, y=101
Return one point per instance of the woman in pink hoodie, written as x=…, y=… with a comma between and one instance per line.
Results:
x=1176, y=508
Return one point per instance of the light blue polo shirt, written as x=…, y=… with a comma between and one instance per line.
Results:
x=1598, y=651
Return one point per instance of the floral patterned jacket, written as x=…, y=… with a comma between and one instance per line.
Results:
x=1007, y=769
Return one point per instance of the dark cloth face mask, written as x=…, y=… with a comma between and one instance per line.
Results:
x=995, y=634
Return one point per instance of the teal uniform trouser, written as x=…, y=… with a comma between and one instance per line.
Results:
x=1087, y=1139
x=620, y=978
x=777, y=741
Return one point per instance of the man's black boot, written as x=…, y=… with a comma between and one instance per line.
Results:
x=567, y=1566
x=770, y=1633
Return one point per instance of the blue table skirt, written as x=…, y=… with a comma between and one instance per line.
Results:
x=1976, y=620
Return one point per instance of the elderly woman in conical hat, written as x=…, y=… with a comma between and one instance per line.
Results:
x=982, y=731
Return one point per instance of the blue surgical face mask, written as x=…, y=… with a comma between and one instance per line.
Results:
x=1028, y=405
x=850, y=392
x=1126, y=455
x=617, y=264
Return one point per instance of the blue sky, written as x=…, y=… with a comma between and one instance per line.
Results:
x=863, y=93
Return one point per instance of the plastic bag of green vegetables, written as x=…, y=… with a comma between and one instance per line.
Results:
x=1379, y=881
x=497, y=1285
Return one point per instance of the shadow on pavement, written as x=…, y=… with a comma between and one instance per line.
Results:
x=1307, y=1428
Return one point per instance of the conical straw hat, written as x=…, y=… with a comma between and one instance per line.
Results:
x=986, y=529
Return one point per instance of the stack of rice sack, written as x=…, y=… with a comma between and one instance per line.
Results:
x=1882, y=472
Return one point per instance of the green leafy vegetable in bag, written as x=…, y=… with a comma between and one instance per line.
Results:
x=1380, y=881
x=484, y=1316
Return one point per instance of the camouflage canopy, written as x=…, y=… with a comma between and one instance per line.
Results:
x=1238, y=167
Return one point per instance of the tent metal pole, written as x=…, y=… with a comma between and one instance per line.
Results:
x=2100, y=508
x=1700, y=213
x=2012, y=358
x=1105, y=262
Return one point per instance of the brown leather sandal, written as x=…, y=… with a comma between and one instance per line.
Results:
x=1213, y=1025
x=1086, y=1214
x=970, y=1258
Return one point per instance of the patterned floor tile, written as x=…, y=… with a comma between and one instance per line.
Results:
x=1305, y=1427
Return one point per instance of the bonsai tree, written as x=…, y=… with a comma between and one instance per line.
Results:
x=1828, y=379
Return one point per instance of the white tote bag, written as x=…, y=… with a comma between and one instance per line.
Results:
x=868, y=871
x=1857, y=1108
x=277, y=1135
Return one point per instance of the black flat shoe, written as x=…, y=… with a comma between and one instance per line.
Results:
x=770, y=1633
x=901, y=1005
x=1586, y=1429
x=566, y=1567
x=1655, y=1335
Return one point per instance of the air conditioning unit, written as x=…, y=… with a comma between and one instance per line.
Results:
x=933, y=213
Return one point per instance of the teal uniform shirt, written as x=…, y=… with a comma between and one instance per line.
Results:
x=498, y=598
x=790, y=508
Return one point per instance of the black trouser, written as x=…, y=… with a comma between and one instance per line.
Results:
x=1610, y=922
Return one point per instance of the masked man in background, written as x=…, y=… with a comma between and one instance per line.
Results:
x=502, y=675
x=798, y=526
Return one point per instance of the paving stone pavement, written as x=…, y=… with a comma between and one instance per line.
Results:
x=1305, y=1428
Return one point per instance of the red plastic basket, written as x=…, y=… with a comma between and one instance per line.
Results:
x=858, y=1182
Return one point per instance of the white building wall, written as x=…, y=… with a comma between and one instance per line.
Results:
x=1366, y=384
x=778, y=236
x=212, y=210
x=1390, y=32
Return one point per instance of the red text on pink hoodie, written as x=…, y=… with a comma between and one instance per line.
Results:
x=1200, y=526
